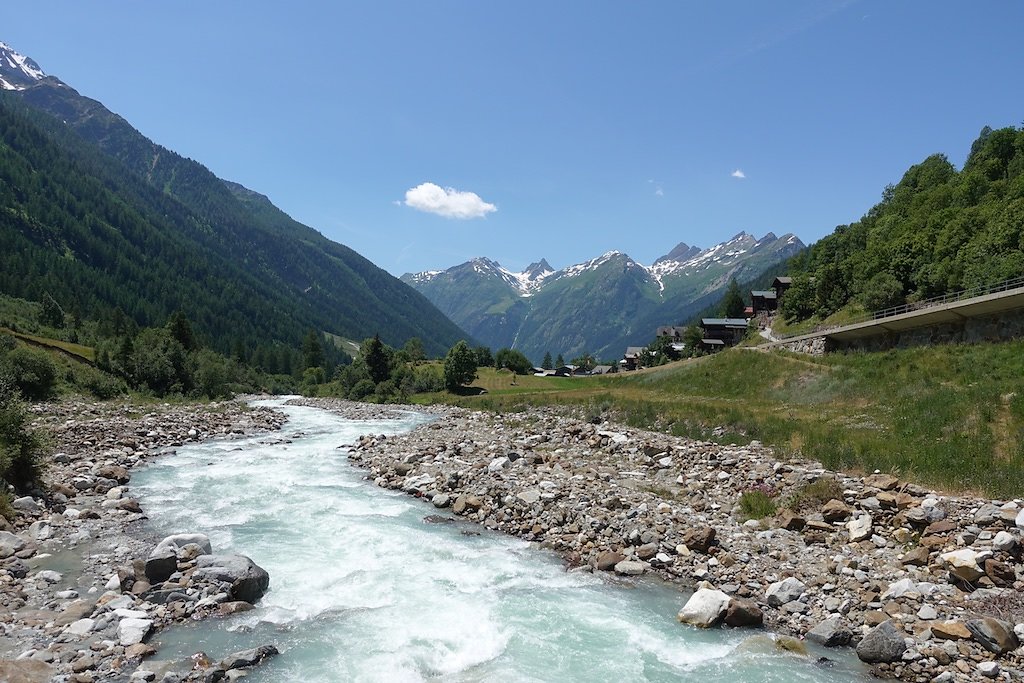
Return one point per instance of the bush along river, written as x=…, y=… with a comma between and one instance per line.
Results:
x=376, y=585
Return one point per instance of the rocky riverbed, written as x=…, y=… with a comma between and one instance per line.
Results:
x=81, y=585
x=926, y=586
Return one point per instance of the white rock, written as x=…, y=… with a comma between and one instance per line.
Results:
x=81, y=627
x=530, y=496
x=132, y=631
x=113, y=583
x=49, y=576
x=927, y=613
x=499, y=464
x=704, y=608
x=1004, y=541
x=899, y=588
x=859, y=528
x=964, y=564
x=630, y=568
x=40, y=530
x=989, y=669
x=178, y=541
x=1020, y=519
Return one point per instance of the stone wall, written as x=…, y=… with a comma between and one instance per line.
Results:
x=998, y=327
x=815, y=346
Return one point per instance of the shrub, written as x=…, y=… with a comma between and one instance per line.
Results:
x=20, y=449
x=362, y=389
x=756, y=504
x=32, y=371
x=814, y=494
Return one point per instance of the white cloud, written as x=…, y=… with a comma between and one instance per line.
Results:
x=447, y=202
x=659, y=188
x=739, y=174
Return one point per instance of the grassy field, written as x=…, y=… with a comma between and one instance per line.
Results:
x=85, y=353
x=948, y=416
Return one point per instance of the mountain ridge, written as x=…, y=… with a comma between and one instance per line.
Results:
x=596, y=305
x=235, y=236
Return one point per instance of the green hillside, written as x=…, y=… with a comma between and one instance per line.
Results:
x=938, y=230
x=85, y=227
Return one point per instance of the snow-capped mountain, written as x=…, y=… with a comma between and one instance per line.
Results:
x=598, y=305
x=17, y=71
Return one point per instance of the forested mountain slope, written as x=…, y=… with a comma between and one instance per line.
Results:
x=101, y=217
x=938, y=230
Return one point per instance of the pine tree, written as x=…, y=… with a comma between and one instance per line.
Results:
x=546, y=363
x=376, y=359
x=732, y=303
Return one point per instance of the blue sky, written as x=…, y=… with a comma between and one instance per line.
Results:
x=580, y=127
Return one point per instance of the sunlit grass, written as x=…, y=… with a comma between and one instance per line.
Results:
x=948, y=416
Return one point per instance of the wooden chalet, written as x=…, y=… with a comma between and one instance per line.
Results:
x=780, y=285
x=763, y=300
x=721, y=332
x=673, y=333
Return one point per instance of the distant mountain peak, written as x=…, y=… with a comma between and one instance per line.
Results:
x=538, y=269
x=17, y=72
x=681, y=252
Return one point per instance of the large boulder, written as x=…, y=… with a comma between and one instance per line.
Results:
x=994, y=635
x=699, y=538
x=248, y=580
x=964, y=564
x=787, y=590
x=832, y=632
x=161, y=564
x=10, y=544
x=132, y=630
x=743, y=612
x=883, y=643
x=706, y=607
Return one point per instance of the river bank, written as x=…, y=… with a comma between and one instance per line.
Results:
x=904, y=569
x=926, y=586
x=77, y=599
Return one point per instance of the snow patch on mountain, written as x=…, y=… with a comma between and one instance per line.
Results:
x=17, y=71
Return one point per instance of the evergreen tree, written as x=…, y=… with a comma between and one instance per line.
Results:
x=312, y=351
x=52, y=314
x=376, y=359
x=732, y=303
x=546, y=363
x=181, y=329
x=559, y=362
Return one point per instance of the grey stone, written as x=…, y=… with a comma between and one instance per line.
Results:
x=248, y=580
x=781, y=592
x=832, y=632
x=162, y=563
x=251, y=657
x=994, y=635
x=883, y=643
